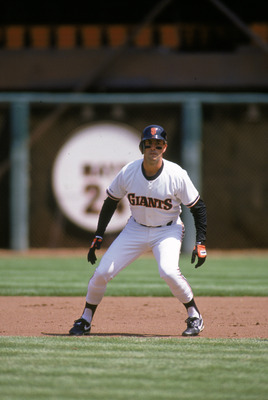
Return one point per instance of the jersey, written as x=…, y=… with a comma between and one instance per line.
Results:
x=154, y=202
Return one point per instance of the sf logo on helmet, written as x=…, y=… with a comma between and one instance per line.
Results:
x=153, y=131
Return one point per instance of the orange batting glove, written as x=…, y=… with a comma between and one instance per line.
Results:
x=200, y=252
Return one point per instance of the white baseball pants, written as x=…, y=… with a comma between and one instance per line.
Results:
x=133, y=241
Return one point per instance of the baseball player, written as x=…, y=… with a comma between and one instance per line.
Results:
x=155, y=189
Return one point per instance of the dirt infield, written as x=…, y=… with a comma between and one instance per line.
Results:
x=224, y=317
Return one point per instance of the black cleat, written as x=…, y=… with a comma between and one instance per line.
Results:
x=81, y=327
x=194, y=326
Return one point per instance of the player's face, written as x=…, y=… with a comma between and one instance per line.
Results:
x=154, y=148
x=151, y=143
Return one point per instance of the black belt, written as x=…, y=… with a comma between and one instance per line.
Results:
x=158, y=226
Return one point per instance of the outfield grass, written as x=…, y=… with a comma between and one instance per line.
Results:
x=61, y=276
x=133, y=368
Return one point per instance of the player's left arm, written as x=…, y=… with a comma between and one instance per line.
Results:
x=199, y=213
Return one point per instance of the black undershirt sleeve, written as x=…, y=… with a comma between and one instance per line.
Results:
x=106, y=213
x=199, y=212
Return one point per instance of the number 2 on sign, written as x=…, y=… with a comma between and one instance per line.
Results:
x=94, y=190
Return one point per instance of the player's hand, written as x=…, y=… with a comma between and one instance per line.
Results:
x=96, y=244
x=200, y=252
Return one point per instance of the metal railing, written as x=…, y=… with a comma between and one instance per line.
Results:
x=18, y=160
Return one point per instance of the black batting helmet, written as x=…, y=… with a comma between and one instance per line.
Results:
x=152, y=132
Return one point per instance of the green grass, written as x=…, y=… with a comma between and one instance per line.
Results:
x=68, y=276
x=133, y=368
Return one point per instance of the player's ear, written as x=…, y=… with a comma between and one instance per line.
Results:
x=165, y=147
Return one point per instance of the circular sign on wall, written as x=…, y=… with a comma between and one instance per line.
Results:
x=85, y=166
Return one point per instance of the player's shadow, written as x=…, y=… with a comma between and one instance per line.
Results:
x=114, y=334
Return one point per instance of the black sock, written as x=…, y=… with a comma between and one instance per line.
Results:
x=92, y=307
x=191, y=304
x=89, y=311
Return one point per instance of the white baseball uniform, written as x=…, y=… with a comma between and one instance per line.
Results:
x=155, y=224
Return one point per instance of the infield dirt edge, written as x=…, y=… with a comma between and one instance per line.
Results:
x=224, y=317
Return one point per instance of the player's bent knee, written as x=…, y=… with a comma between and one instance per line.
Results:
x=172, y=279
x=169, y=278
x=100, y=278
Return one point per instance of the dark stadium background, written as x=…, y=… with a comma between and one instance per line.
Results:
x=210, y=52
x=59, y=11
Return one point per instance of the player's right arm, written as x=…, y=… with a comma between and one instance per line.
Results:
x=106, y=213
x=116, y=191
